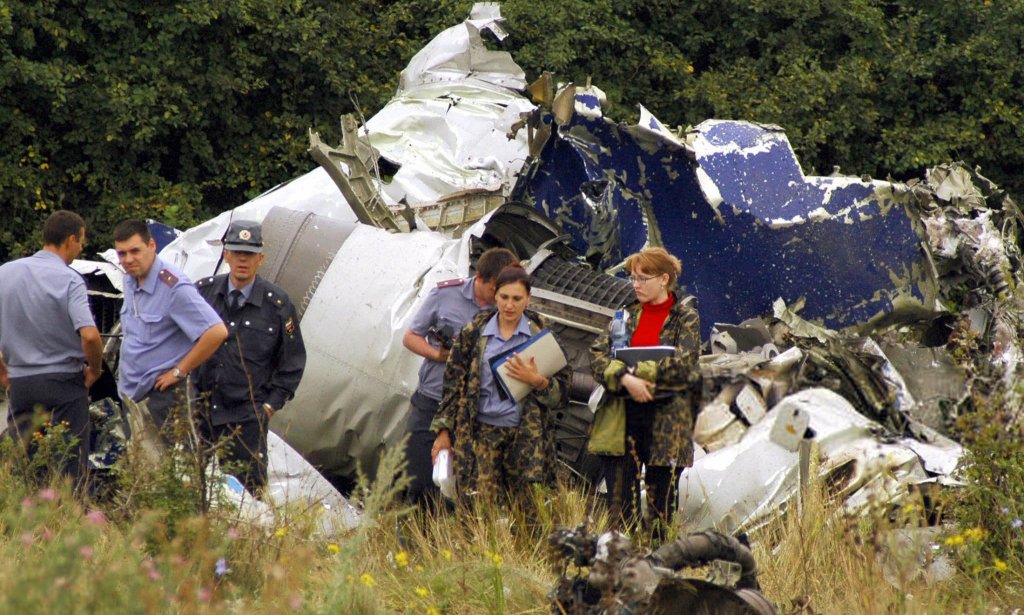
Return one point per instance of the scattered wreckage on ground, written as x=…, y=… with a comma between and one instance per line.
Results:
x=603, y=575
x=827, y=303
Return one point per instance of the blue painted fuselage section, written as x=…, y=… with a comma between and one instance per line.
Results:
x=842, y=244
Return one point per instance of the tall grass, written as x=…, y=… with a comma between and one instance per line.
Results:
x=135, y=556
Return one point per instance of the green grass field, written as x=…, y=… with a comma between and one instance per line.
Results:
x=139, y=549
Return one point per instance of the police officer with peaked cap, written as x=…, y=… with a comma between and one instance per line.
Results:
x=260, y=365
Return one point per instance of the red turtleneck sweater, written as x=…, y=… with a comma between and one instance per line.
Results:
x=652, y=317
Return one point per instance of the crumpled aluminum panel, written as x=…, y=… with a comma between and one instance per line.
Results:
x=743, y=484
x=446, y=128
x=354, y=395
x=734, y=205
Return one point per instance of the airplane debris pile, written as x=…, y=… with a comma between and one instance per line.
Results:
x=880, y=308
x=877, y=406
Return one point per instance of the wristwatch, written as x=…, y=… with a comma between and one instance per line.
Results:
x=177, y=373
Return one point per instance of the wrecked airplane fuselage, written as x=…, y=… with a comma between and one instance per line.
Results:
x=730, y=200
x=357, y=287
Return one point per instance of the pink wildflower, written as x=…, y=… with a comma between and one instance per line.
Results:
x=151, y=572
x=86, y=552
x=48, y=495
x=97, y=518
x=27, y=539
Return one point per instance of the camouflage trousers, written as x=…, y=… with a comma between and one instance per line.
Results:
x=497, y=463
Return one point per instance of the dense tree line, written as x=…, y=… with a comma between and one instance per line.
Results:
x=178, y=110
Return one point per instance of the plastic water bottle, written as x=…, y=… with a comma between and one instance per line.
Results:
x=619, y=334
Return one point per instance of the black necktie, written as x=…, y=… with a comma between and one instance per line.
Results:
x=236, y=300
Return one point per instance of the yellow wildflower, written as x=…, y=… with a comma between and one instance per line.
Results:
x=367, y=580
x=953, y=541
x=974, y=534
x=333, y=549
x=433, y=611
x=445, y=553
x=418, y=568
x=402, y=559
x=422, y=592
x=280, y=532
x=496, y=559
x=999, y=564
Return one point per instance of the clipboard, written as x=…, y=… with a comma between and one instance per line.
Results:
x=543, y=349
x=631, y=355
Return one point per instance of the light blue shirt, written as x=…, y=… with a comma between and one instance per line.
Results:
x=453, y=306
x=162, y=319
x=245, y=290
x=43, y=304
x=494, y=409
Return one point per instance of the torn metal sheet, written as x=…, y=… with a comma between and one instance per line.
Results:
x=741, y=485
x=294, y=484
x=931, y=378
x=354, y=394
x=447, y=125
x=458, y=55
x=294, y=488
x=112, y=272
x=446, y=131
x=734, y=205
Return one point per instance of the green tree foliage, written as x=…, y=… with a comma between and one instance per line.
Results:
x=880, y=88
x=179, y=110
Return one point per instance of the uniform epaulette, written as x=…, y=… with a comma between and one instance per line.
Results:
x=167, y=277
x=278, y=300
x=204, y=282
x=452, y=282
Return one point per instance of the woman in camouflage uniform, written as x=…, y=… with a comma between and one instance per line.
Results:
x=659, y=398
x=499, y=445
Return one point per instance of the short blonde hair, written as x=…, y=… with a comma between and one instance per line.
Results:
x=655, y=261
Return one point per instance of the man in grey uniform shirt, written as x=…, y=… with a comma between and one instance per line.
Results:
x=169, y=330
x=50, y=346
x=443, y=314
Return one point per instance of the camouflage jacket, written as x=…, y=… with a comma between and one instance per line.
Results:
x=460, y=404
x=674, y=416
